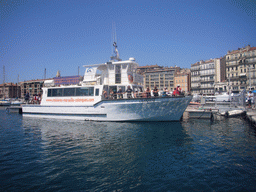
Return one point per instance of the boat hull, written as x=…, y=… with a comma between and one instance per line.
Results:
x=141, y=109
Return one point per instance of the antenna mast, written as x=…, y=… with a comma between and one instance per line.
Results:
x=4, y=81
x=115, y=52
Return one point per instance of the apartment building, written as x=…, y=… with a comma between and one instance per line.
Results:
x=161, y=78
x=241, y=68
x=205, y=74
x=142, y=69
x=9, y=90
x=183, y=80
x=32, y=87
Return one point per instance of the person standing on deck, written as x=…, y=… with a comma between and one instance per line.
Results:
x=27, y=97
x=155, y=92
x=129, y=92
x=250, y=97
x=120, y=93
x=148, y=92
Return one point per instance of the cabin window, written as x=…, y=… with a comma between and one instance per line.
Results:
x=124, y=66
x=49, y=94
x=69, y=92
x=118, y=74
x=91, y=91
x=83, y=91
x=57, y=92
x=97, y=92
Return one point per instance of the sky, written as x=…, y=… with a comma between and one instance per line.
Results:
x=64, y=35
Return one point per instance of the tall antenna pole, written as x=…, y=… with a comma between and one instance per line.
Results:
x=44, y=73
x=78, y=70
x=18, y=86
x=115, y=52
x=4, y=81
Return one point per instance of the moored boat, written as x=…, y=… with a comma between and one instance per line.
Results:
x=103, y=95
x=5, y=102
x=17, y=102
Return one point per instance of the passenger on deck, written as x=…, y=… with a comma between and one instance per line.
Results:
x=175, y=92
x=27, y=97
x=129, y=92
x=136, y=94
x=105, y=94
x=155, y=92
x=111, y=93
x=250, y=97
x=120, y=94
x=178, y=89
x=39, y=98
x=148, y=92
x=165, y=92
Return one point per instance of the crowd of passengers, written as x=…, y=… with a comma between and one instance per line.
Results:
x=135, y=94
x=35, y=99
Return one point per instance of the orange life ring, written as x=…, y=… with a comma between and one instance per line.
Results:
x=130, y=77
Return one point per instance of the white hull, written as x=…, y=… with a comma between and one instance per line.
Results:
x=152, y=109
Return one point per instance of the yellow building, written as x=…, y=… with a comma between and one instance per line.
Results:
x=182, y=79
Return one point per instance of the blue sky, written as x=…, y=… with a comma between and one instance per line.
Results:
x=67, y=34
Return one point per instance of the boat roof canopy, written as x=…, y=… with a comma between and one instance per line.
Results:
x=130, y=61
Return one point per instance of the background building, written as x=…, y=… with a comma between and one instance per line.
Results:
x=10, y=90
x=32, y=87
x=195, y=78
x=240, y=68
x=205, y=74
x=160, y=78
x=183, y=79
x=142, y=69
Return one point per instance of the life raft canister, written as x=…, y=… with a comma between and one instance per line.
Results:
x=130, y=77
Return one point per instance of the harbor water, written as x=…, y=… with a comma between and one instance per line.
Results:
x=191, y=155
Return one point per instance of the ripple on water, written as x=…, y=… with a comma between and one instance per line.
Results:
x=61, y=155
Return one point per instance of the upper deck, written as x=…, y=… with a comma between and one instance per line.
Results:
x=112, y=73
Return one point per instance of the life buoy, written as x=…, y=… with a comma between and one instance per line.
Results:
x=130, y=77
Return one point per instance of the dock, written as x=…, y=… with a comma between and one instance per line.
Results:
x=14, y=109
x=251, y=116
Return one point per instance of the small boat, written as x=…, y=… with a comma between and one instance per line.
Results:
x=233, y=113
x=17, y=102
x=5, y=102
x=194, y=103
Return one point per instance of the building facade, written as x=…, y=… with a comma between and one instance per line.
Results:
x=204, y=76
x=160, y=78
x=32, y=87
x=142, y=69
x=195, y=78
x=183, y=79
x=10, y=90
x=240, y=68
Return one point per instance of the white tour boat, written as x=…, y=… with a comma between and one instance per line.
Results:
x=87, y=101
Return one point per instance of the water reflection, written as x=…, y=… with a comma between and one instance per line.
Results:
x=194, y=155
x=109, y=155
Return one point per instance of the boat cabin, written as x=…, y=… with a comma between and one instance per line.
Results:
x=114, y=75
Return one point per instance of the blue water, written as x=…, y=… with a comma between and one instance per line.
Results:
x=61, y=155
